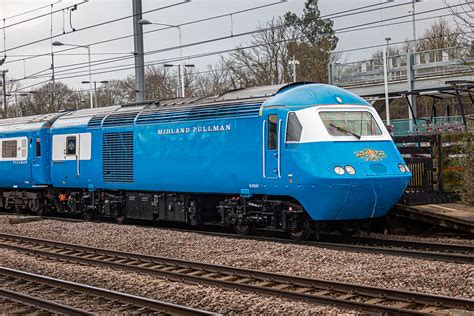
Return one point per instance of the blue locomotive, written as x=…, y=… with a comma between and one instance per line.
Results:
x=278, y=157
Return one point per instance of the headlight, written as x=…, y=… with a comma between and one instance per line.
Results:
x=350, y=170
x=402, y=168
x=339, y=170
x=406, y=167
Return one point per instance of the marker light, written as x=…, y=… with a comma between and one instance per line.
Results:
x=406, y=167
x=402, y=168
x=339, y=170
x=350, y=170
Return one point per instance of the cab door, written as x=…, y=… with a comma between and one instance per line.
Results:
x=38, y=161
x=271, y=131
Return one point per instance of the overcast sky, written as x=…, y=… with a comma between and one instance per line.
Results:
x=97, y=11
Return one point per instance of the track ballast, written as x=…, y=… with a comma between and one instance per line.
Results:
x=345, y=295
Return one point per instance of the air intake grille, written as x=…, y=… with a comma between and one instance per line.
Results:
x=198, y=113
x=117, y=157
x=120, y=119
x=96, y=121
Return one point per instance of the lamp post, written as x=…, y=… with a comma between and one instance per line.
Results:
x=180, y=77
x=385, y=80
x=4, y=85
x=95, y=89
x=180, y=91
x=57, y=43
x=15, y=95
x=294, y=63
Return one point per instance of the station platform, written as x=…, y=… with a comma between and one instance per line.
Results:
x=451, y=215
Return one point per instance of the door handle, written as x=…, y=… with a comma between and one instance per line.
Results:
x=264, y=166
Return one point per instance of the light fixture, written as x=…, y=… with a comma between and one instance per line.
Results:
x=401, y=167
x=339, y=170
x=144, y=22
x=350, y=170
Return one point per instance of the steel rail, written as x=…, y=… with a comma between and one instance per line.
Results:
x=113, y=296
x=346, y=295
x=412, y=244
x=411, y=249
x=39, y=304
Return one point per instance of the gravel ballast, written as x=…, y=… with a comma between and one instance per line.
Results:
x=201, y=297
x=417, y=275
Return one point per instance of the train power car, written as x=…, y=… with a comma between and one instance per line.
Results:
x=280, y=158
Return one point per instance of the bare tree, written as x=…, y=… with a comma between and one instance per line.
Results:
x=40, y=100
x=266, y=62
x=214, y=81
x=116, y=92
x=439, y=35
x=160, y=83
x=463, y=17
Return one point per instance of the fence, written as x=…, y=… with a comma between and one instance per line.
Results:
x=423, y=155
x=429, y=63
x=425, y=125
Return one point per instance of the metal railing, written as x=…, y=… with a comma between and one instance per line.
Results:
x=428, y=63
x=426, y=125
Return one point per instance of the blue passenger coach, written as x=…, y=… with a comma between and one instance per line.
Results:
x=276, y=157
x=25, y=158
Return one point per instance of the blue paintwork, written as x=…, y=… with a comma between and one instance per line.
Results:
x=230, y=162
x=313, y=94
x=33, y=172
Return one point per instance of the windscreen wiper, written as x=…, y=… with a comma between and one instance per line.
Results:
x=345, y=131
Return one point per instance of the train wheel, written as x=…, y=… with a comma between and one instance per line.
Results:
x=88, y=215
x=243, y=229
x=120, y=218
x=303, y=233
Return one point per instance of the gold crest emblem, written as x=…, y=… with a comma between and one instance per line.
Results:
x=370, y=154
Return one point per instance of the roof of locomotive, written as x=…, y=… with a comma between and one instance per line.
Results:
x=28, y=123
x=242, y=101
x=313, y=95
x=239, y=97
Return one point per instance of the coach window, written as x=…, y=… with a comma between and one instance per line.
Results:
x=71, y=146
x=293, y=128
x=38, y=147
x=272, y=131
x=9, y=149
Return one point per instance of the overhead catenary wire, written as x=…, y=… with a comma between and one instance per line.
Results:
x=337, y=31
x=89, y=27
x=210, y=54
x=342, y=30
x=38, y=16
x=117, y=59
x=348, y=29
x=332, y=15
x=222, y=52
x=162, y=62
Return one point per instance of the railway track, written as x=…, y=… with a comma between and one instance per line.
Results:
x=14, y=303
x=411, y=249
x=345, y=295
x=110, y=301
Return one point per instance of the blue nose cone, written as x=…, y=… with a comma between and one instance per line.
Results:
x=313, y=94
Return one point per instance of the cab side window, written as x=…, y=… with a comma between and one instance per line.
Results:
x=9, y=149
x=272, y=131
x=38, y=147
x=293, y=128
x=71, y=147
